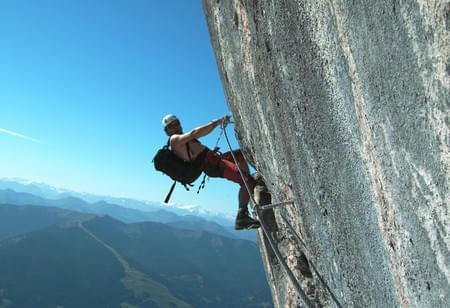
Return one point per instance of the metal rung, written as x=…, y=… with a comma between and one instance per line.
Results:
x=271, y=206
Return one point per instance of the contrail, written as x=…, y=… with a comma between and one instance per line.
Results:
x=18, y=135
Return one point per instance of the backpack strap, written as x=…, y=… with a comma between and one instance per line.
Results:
x=170, y=192
x=188, y=151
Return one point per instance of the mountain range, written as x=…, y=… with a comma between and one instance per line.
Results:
x=50, y=192
x=52, y=257
x=23, y=192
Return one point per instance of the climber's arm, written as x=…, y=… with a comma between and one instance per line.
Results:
x=196, y=133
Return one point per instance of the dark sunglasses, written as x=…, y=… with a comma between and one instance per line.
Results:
x=173, y=124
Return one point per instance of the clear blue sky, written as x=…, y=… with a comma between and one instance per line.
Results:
x=84, y=85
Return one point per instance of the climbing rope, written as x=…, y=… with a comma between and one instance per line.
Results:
x=220, y=136
x=258, y=211
x=223, y=126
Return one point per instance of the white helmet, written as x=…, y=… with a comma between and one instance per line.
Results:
x=168, y=119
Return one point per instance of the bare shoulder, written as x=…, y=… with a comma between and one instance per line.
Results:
x=178, y=139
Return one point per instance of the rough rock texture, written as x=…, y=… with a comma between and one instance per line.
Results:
x=343, y=107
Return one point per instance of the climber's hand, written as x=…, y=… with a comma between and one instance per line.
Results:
x=225, y=120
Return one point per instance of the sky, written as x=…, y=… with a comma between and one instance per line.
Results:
x=84, y=85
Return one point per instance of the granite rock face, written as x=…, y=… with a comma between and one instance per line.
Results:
x=343, y=107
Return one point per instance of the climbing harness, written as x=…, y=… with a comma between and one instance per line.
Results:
x=258, y=209
x=205, y=177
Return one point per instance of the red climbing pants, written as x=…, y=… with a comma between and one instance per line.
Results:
x=223, y=166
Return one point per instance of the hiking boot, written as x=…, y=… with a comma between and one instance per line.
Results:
x=244, y=221
x=258, y=178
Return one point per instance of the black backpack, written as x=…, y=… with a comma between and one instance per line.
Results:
x=170, y=164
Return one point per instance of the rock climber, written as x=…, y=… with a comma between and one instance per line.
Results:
x=187, y=147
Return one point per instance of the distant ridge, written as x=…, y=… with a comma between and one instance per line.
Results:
x=50, y=192
x=122, y=213
x=91, y=261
